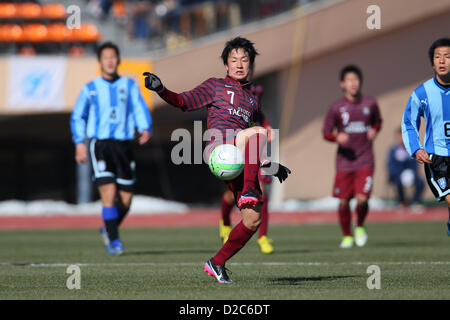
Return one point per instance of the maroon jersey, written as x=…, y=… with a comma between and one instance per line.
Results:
x=354, y=118
x=231, y=105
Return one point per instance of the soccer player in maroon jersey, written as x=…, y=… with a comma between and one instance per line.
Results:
x=231, y=111
x=353, y=123
x=228, y=201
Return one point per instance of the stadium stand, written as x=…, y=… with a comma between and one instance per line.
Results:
x=33, y=28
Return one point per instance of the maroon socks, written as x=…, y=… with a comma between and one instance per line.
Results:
x=345, y=219
x=239, y=236
x=361, y=213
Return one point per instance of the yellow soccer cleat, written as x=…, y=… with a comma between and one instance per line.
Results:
x=264, y=245
x=347, y=242
x=360, y=236
x=224, y=231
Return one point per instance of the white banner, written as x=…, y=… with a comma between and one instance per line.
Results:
x=36, y=83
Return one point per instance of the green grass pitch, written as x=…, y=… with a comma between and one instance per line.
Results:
x=168, y=263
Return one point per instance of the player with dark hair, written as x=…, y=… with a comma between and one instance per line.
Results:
x=227, y=202
x=353, y=123
x=351, y=69
x=108, y=111
x=431, y=100
x=108, y=45
x=231, y=111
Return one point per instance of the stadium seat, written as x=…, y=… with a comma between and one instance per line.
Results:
x=87, y=33
x=27, y=51
x=29, y=11
x=34, y=32
x=4, y=32
x=10, y=33
x=8, y=10
x=58, y=32
x=77, y=51
x=53, y=11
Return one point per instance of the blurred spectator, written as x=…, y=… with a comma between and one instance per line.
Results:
x=403, y=172
x=106, y=6
x=99, y=8
x=176, y=22
x=222, y=16
x=169, y=11
x=140, y=15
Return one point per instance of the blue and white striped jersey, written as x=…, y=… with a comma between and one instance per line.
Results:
x=431, y=101
x=109, y=110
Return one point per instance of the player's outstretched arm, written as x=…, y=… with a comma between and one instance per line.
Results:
x=200, y=97
x=152, y=82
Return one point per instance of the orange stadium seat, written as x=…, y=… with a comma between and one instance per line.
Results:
x=87, y=33
x=57, y=32
x=77, y=51
x=53, y=11
x=27, y=51
x=8, y=10
x=34, y=32
x=4, y=32
x=10, y=33
x=29, y=11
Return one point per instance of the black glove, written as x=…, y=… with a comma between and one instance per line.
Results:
x=281, y=173
x=152, y=82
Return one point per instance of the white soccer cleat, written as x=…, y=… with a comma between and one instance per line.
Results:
x=104, y=236
x=360, y=236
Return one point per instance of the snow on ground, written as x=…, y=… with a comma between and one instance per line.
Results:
x=326, y=204
x=140, y=205
x=150, y=205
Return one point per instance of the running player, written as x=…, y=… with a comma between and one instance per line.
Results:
x=431, y=100
x=227, y=203
x=353, y=123
x=231, y=111
x=108, y=111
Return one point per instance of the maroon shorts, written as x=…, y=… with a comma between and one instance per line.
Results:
x=349, y=184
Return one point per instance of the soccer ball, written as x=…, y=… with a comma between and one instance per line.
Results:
x=226, y=162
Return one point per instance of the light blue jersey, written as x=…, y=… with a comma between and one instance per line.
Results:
x=431, y=101
x=109, y=110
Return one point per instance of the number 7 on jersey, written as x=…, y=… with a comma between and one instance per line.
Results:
x=232, y=96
